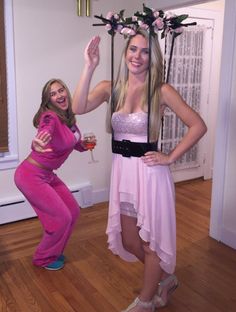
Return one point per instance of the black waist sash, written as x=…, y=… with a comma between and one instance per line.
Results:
x=127, y=148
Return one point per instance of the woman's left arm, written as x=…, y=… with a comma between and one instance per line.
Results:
x=196, y=127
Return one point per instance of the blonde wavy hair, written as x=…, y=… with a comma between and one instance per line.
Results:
x=121, y=85
x=67, y=117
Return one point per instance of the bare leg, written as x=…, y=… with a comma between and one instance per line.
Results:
x=152, y=270
x=130, y=237
x=152, y=274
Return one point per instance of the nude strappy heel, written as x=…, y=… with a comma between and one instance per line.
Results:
x=143, y=304
x=158, y=300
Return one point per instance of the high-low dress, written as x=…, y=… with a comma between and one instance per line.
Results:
x=148, y=189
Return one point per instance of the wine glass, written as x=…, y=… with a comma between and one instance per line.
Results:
x=90, y=142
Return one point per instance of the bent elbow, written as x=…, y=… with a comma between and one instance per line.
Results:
x=202, y=129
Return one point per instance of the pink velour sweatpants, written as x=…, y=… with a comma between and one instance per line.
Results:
x=55, y=206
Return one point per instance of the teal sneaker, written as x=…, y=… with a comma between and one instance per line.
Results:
x=61, y=258
x=54, y=266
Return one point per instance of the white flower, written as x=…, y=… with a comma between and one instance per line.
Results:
x=108, y=27
x=170, y=15
x=127, y=31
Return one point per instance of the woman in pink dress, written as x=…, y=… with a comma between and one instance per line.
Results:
x=141, y=222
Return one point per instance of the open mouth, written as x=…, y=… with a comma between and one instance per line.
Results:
x=61, y=100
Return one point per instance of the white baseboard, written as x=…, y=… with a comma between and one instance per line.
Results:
x=15, y=211
x=18, y=208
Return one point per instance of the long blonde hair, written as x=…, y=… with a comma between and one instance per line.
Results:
x=121, y=84
x=67, y=117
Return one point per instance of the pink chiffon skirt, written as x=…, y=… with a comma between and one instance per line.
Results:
x=151, y=192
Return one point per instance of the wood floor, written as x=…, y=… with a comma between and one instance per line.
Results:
x=94, y=280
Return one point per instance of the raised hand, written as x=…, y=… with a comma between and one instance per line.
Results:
x=91, y=53
x=40, y=142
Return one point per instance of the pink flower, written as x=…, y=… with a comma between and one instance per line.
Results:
x=143, y=25
x=156, y=14
x=119, y=28
x=179, y=30
x=159, y=23
x=109, y=15
x=116, y=16
x=134, y=18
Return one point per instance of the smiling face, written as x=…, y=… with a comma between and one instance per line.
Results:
x=137, y=55
x=59, y=96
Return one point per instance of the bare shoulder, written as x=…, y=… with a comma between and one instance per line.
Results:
x=170, y=96
x=165, y=87
x=167, y=92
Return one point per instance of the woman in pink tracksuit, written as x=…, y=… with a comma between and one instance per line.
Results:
x=51, y=199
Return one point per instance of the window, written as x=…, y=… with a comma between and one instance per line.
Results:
x=9, y=156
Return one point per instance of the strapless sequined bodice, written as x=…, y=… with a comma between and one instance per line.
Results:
x=129, y=124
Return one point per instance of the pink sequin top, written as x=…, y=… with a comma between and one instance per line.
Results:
x=131, y=126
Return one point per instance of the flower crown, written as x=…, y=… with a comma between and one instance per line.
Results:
x=150, y=19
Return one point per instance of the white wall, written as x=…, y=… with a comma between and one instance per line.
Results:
x=49, y=40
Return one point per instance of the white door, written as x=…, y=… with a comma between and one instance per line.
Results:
x=190, y=75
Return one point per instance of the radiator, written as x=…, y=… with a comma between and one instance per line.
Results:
x=18, y=208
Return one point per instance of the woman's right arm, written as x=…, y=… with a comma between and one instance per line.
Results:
x=85, y=100
x=46, y=128
x=40, y=142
